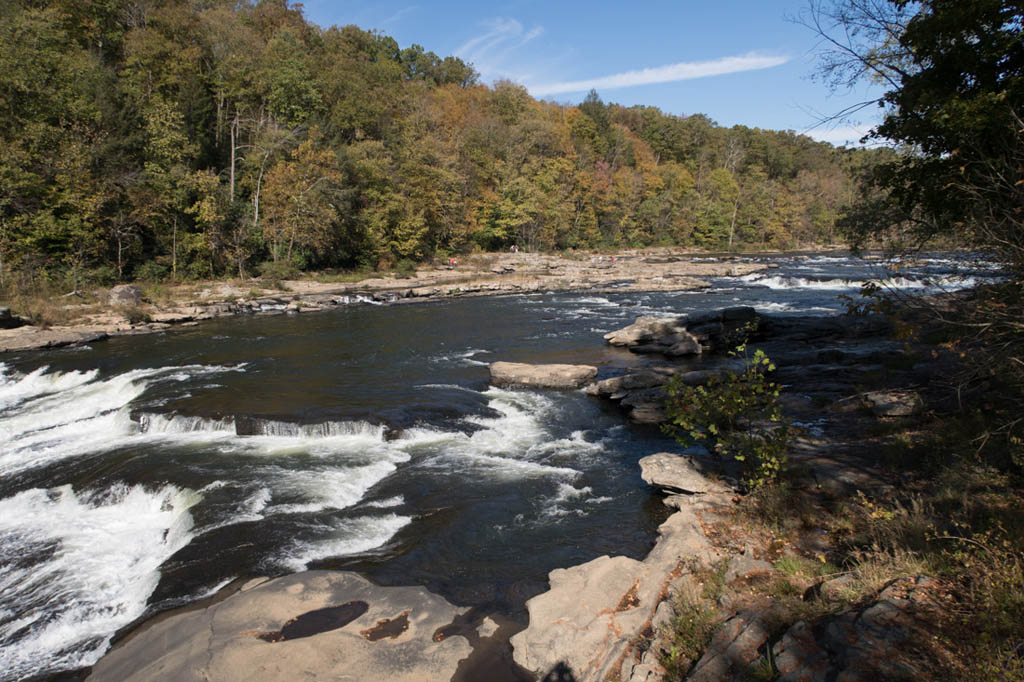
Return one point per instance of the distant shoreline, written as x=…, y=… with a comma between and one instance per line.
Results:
x=663, y=269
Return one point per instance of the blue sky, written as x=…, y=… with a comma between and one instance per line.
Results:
x=737, y=61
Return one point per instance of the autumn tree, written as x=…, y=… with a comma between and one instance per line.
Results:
x=301, y=204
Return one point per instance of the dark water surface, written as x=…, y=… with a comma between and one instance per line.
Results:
x=146, y=472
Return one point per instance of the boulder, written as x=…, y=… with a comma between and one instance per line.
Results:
x=648, y=413
x=656, y=335
x=316, y=625
x=9, y=320
x=644, y=330
x=865, y=643
x=744, y=567
x=125, y=295
x=893, y=403
x=585, y=626
x=541, y=376
x=570, y=623
x=733, y=649
x=628, y=382
x=676, y=474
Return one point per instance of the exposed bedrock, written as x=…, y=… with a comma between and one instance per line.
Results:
x=675, y=474
x=518, y=374
x=322, y=625
x=587, y=623
x=828, y=358
x=685, y=335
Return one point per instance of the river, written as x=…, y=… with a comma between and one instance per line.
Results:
x=146, y=472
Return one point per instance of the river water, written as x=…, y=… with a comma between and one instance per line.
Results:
x=146, y=472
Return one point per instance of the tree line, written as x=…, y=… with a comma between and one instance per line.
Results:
x=185, y=139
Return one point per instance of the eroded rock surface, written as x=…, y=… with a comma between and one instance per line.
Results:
x=125, y=295
x=676, y=474
x=541, y=376
x=316, y=625
x=587, y=623
x=861, y=644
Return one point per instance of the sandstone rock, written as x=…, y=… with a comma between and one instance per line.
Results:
x=627, y=382
x=835, y=588
x=745, y=567
x=861, y=644
x=171, y=317
x=733, y=649
x=638, y=332
x=893, y=403
x=541, y=376
x=648, y=413
x=676, y=473
x=685, y=344
x=570, y=622
x=29, y=338
x=587, y=622
x=799, y=658
x=244, y=636
x=125, y=295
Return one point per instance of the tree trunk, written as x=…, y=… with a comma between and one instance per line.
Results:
x=174, y=251
x=732, y=225
x=256, y=194
x=234, y=135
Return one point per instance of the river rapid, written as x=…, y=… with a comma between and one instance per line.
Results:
x=147, y=472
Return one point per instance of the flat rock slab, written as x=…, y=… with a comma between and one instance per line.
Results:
x=321, y=625
x=587, y=622
x=31, y=338
x=675, y=474
x=541, y=376
x=893, y=403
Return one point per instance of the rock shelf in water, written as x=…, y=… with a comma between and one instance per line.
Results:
x=518, y=374
x=501, y=274
x=314, y=625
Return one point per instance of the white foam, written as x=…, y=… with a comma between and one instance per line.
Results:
x=506, y=446
x=947, y=283
x=321, y=489
x=272, y=438
x=86, y=415
x=396, y=501
x=573, y=446
x=466, y=357
x=344, y=537
x=37, y=383
x=154, y=424
x=78, y=566
x=567, y=493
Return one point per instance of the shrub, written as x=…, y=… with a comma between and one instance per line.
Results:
x=273, y=272
x=405, y=268
x=734, y=415
x=136, y=315
x=152, y=271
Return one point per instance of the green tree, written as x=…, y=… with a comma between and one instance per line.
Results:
x=955, y=104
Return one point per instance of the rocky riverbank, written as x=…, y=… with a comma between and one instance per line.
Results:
x=125, y=309
x=612, y=617
x=616, y=618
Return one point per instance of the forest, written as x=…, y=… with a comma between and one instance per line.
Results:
x=187, y=139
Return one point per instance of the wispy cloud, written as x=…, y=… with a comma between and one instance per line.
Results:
x=398, y=16
x=490, y=50
x=664, y=74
